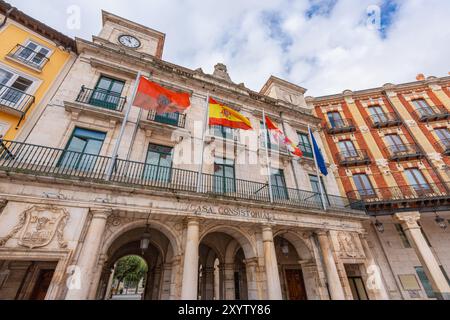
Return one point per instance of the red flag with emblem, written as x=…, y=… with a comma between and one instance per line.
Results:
x=152, y=96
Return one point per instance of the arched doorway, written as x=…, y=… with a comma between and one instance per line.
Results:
x=129, y=278
x=292, y=254
x=157, y=254
x=222, y=268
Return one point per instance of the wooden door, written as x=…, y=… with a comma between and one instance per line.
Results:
x=296, y=285
x=42, y=284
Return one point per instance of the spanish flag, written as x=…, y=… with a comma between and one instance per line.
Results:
x=220, y=115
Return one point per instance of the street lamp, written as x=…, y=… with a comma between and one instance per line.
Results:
x=145, y=240
x=379, y=226
x=441, y=222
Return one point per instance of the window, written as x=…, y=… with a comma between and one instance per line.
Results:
x=425, y=282
x=444, y=136
x=315, y=187
x=402, y=236
x=348, y=149
x=224, y=176
x=378, y=115
x=223, y=132
x=13, y=88
x=363, y=185
x=278, y=184
x=395, y=143
x=107, y=93
x=33, y=54
x=305, y=145
x=423, y=107
x=335, y=119
x=83, y=149
x=273, y=145
x=158, y=165
x=417, y=180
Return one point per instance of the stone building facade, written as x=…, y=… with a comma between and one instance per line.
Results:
x=216, y=235
x=389, y=147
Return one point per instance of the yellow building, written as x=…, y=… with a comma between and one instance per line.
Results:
x=34, y=59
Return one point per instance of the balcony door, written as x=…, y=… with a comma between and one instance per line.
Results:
x=417, y=181
x=395, y=144
x=364, y=186
x=335, y=119
x=378, y=115
x=444, y=136
x=158, y=166
x=224, y=176
x=107, y=93
x=348, y=149
x=315, y=187
x=82, y=150
x=423, y=108
x=13, y=88
x=168, y=118
x=279, y=184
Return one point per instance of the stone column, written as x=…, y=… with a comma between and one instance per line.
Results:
x=251, y=267
x=190, y=267
x=408, y=221
x=321, y=274
x=378, y=286
x=228, y=281
x=110, y=283
x=89, y=254
x=334, y=283
x=271, y=265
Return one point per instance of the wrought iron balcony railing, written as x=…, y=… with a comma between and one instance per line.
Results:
x=404, y=152
x=15, y=99
x=443, y=146
x=102, y=99
x=385, y=120
x=32, y=58
x=340, y=126
x=46, y=161
x=432, y=114
x=354, y=158
x=174, y=119
x=404, y=197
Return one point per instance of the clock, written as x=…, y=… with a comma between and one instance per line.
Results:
x=129, y=41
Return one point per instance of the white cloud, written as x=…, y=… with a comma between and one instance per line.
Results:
x=326, y=53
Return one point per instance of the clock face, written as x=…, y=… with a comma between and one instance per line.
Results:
x=129, y=41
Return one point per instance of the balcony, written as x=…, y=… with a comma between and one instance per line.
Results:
x=172, y=119
x=385, y=120
x=27, y=56
x=100, y=98
x=340, y=126
x=354, y=158
x=14, y=101
x=443, y=146
x=404, y=198
x=58, y=163
x=404, y=152
x=429, y=114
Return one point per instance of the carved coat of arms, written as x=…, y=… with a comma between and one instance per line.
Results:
x=38, y=226
x=347, y=245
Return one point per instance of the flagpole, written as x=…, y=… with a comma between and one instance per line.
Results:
x=269, y=174
x=319, y=177
x=122, y=129
x=202, y=160
x=292, y=162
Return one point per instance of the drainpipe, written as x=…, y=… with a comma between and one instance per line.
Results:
x=441, y=179
x=8, y=13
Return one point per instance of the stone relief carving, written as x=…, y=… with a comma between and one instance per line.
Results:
x=364, y=129
x=382, y=163
x=347, y=245
x=411, y=123
x=435, y=156
x=38, y=226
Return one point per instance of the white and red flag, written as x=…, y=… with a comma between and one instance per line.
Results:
x=279, y=137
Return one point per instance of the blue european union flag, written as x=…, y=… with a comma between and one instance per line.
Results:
x=319, y=156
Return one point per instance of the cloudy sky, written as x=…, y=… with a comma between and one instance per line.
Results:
x=326, y=46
